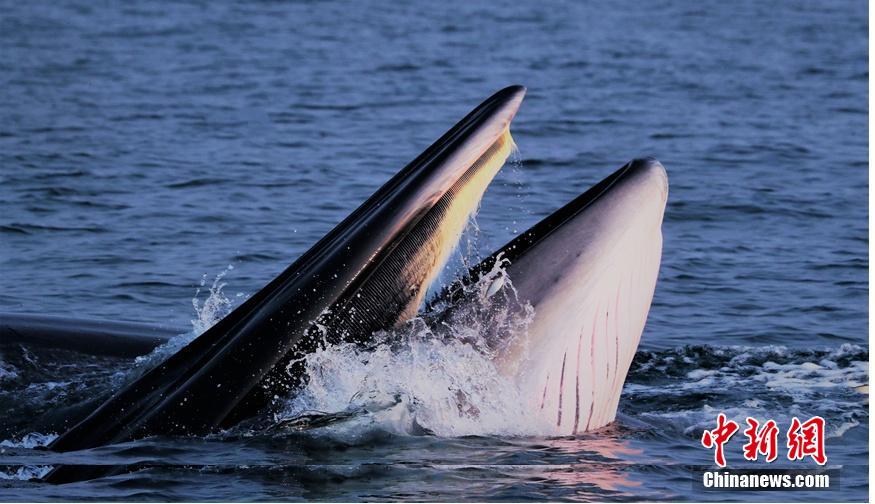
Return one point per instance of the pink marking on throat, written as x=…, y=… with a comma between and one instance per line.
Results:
x=607, y=335
x=544, y=395
x=577, y=387
x=616, y=342
x=592, y=368
x=561, y=386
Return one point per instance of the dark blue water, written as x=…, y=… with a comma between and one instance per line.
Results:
x=145, y=145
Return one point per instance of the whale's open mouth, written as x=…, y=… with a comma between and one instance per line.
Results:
x=564, y=303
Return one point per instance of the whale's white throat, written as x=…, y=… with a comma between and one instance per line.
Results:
x=591, y=281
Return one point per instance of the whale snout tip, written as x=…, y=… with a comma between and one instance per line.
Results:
x=654, y=172
x=510, y=99
x=515, y=91
x=518, y=92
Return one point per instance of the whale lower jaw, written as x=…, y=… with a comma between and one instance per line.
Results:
x=584, y=279
x=591, y=282
x=589, y=334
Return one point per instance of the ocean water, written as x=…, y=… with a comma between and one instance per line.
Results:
x=145, y=147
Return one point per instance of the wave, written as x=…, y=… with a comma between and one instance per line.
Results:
x=415, y=381
x=684, y=388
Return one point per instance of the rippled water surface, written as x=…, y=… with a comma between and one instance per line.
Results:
x=146, y=146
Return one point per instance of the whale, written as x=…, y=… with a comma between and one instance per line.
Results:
x=586, y=272
x=368, y=273
x=582, y=278
x=110, y=338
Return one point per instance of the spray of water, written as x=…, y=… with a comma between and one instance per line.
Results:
x=216, y=305
x=25, y=473
x=211, y=310
x=439, y=378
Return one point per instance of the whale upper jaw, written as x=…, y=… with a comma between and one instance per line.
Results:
x=390, y=247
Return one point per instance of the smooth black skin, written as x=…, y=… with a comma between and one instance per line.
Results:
x=213, y=379
x=93, y=337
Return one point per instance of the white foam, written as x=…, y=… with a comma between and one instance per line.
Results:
x=25, y=473
x=7, y=371
x=447, y=384
x=761, y=382
x=29, y=441
x=447, y=387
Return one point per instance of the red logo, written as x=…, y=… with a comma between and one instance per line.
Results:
x=764, y=440
x=718, y=437
x=803, y=439
x=806, y=440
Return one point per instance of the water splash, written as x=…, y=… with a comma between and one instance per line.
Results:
x=25, y=473
x=418, y=379
x=687, y=387
x=7, y=371
x=444, y=387
x=522, y=198
x=214, y=307
x=30, y=441
x=207, y=313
